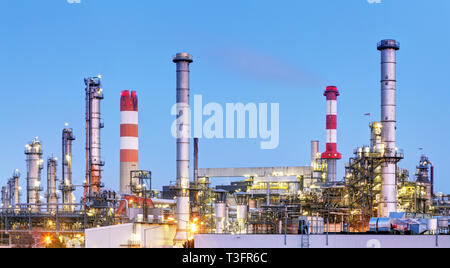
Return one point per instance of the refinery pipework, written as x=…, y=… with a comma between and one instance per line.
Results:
x=388, y=202
x=182, y=61
x=33, y=152
x=331, y=155
x=129, y=140
x=94, y=94
x=66, y=186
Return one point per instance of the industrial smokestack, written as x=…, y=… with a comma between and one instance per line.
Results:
x=52, y=195
x=67, y=187
x=331, y=154
x=33, y=152
x=94, y=94
x=182, y=61
x=388, y=50
x=129, y=142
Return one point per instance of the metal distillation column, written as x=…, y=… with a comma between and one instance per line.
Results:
x=66, y=186
x=33, y=152
x=388, y=202
x=94, y=94
x=52, y=196
x=182, y=61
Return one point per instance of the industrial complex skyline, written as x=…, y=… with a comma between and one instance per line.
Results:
x=247, y=52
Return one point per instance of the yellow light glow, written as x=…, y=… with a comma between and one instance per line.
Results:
x=194, y=228
x=48, y=240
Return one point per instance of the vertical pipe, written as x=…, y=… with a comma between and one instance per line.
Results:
x=129, y=140
x=196, y=171
x=182, y=61
x=196, y=161
x=388, y=202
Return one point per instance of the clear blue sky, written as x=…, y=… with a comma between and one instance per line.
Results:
x=245, y=51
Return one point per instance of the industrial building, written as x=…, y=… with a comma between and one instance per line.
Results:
x=290, y=206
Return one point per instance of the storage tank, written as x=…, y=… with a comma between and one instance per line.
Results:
x=241, y=211
x=220, y=210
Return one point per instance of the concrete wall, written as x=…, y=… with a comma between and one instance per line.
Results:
x=114, y=236
x=142, y=235
x=319, y=241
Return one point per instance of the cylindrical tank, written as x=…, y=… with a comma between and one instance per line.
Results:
x=220, y=210
x=33, y=152
x=182, y=61
x=241, y=211
x=388, y=48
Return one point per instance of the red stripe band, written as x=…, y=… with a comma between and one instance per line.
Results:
x=331, y=122
x=129, y=155
x=128, y=130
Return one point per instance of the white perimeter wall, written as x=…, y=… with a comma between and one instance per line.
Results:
x=319, y=241
x=108, y=237
x=118, y=236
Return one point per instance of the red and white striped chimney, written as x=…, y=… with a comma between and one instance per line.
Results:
x=331, y=154
x=129, y=143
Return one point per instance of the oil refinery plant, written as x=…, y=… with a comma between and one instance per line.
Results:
x=298, y=206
